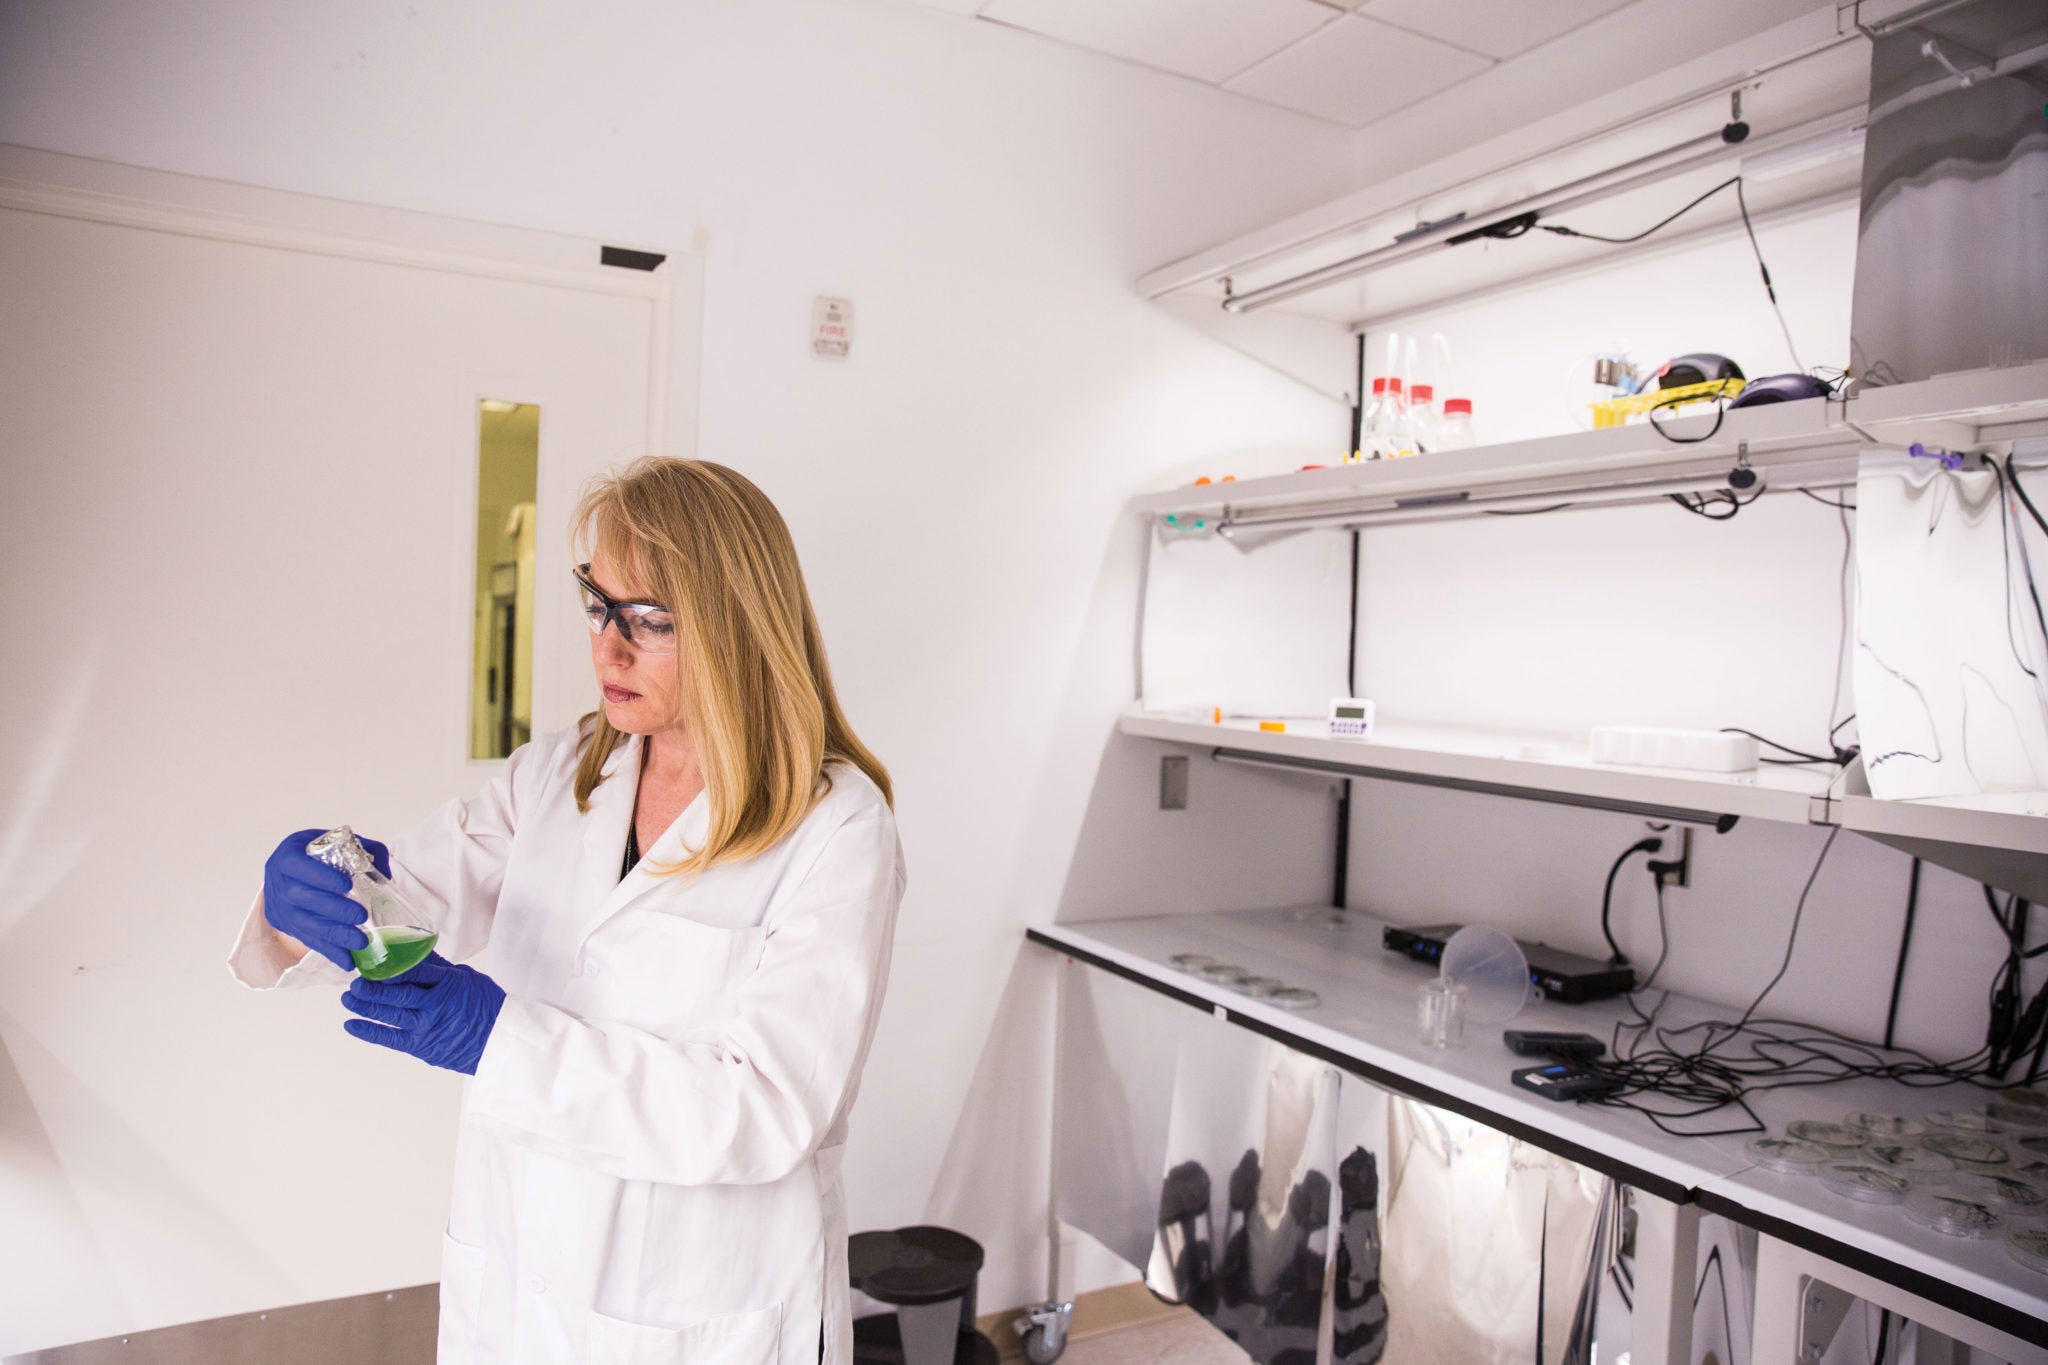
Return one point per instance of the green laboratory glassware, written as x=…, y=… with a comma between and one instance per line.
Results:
x=400, y=934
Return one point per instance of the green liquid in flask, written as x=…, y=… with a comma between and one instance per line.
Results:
x=392, y=951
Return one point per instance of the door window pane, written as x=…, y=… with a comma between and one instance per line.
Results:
x=508, y=466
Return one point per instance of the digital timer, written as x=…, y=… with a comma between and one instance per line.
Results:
x=1351, y=718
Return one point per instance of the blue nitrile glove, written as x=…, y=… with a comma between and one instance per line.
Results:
x=309, y=900
x=437, y=1012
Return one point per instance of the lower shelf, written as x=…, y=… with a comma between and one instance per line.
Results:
x=1364, y=1023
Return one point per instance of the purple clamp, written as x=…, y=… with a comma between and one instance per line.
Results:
x=1949, y=460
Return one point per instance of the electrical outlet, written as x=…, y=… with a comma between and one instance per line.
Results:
x=1173, y=782
x=1673, y=862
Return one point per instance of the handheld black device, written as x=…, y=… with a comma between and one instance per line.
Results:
x=1533, y=1043
x=1563, y=1081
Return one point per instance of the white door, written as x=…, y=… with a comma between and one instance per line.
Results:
x=238, y=446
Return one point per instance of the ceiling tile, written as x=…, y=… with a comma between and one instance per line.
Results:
x=1356, y=71
x=1207, y=39
x=1498, y=28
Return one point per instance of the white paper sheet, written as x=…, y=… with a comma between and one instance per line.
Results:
x=1950, y=663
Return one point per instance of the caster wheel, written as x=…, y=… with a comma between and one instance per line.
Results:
x=1038, y=1348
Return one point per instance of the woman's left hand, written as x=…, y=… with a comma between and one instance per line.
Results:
x=438, y=1012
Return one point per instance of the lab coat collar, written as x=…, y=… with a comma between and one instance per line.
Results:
x=604, y=838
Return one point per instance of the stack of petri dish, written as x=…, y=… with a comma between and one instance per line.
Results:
x=1245, y=981
x=1977, y=1172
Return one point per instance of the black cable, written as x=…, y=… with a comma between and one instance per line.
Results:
x=1720, y=414
x=2005, y=546
x=1891, y=1017
x=1526, y=511
x=1826, y=502
x=1884, y=1332
x=1650, y=845
x=1624, y=241
x=1743, y=204
x=1841, y=755
x=2012, y=476
x=1792, y=939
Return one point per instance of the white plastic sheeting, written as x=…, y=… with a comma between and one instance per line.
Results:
x=1253, y=1183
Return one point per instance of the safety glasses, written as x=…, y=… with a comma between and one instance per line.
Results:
x=646, y=626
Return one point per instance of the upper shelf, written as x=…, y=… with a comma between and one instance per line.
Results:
x=1795, y=444
x=1539, y=767
x=1560, y=768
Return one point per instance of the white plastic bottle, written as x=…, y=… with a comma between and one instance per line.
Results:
x=1424, y=425
x=1381, y=430
x=1457, y=433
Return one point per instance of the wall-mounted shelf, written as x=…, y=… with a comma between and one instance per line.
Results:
x=1555, y=768
x=1801, y=444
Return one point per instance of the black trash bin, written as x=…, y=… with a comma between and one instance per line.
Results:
x=928, y=1275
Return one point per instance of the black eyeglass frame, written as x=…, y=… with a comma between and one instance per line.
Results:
x=620, y=613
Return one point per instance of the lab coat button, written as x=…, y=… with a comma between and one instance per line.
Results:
x=591, y=967
x=536, y=1284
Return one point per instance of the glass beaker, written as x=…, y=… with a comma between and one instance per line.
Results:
x=400, y=934
x=1440, y=1013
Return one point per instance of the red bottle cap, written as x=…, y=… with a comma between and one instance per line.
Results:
x=1379, y=386
x=1452, y=405
x=1394, y=384
x=1421, y=393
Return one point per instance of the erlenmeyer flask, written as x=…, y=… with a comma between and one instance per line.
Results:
x=400, y=934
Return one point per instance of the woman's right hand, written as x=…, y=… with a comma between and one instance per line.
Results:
x=308, y=901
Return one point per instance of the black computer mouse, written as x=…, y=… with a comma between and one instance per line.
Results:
x=1698, y=367
x=1779, y=388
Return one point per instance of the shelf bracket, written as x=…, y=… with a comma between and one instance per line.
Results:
x=1721, y=822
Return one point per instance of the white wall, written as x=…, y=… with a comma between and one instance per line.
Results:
x=1648, y=615
x=985, y=201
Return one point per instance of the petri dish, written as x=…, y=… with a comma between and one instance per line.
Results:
x=1921, y=1165
x=1839, y=1136
x=2032, y=1168
x=1886, y=1125
x=1964, y=1121
x=1191, y=962
x=2026, y=1098
x=1225, y=972
x=1258, y=987
x=2037, y=1146
x=2018, y=1198
x=1953, y=1214
x=1788, y=1156
x=1968, y=1150
x=1866, y=1182
x=1295, y=998
x=2029, y=1246
x=1329, y=917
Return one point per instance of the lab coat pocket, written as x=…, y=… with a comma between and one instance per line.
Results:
x=671, y=976
x=748, y=1338
x=462, y=1287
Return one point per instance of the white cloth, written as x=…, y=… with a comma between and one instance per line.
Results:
x=648, y=1162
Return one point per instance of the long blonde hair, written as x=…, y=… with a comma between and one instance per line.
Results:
x=756, y=693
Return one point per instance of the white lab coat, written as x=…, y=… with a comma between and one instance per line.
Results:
x=647, y=1168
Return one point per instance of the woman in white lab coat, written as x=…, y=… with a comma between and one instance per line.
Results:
x=688, y=901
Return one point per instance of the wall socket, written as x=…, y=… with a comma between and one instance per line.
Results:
x=1676, y=855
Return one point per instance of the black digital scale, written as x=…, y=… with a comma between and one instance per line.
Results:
x=1561, y=976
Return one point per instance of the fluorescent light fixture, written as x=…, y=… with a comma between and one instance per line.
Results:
x=1708, y=149
x=1824, y=149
